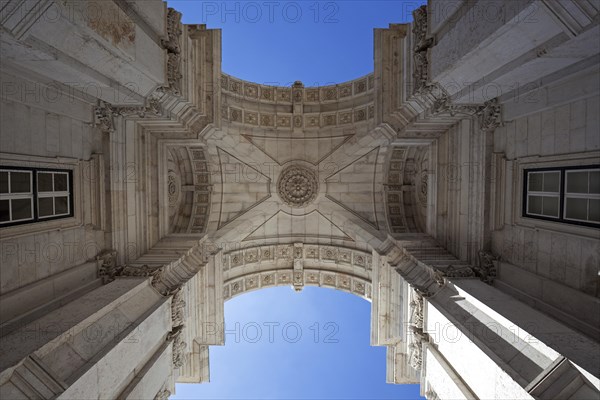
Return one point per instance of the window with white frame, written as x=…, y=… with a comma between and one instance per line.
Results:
x=31, y=195
x=567, y=194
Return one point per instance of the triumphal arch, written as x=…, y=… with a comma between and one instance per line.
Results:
x=455, y=188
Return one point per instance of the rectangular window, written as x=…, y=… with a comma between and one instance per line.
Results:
x=34, y=194
x=569, y=194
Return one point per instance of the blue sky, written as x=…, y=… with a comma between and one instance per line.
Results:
x=318, y=43
x=318, y=349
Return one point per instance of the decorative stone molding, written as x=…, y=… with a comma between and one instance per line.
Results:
x=109, y=271
x=173, y=188
x=172, y=45
x=416, y=306
x=297, y=186
x=103, y=114
x=298, y=267
x=486, y=269
x=418, y=337
x=177, y=309
x=179, y=346
x=430, y=394
x=420, y=46
x=490, y=116
x=163, y=394
x=442, y=105
x=406, y=187
x=458, y=272
x=174, y=31
x=106, y=263
x=152, y=107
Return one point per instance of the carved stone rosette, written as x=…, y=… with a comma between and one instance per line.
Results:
x=297, y=186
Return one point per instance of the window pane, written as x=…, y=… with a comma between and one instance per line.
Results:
x=3, y=182
x=595, y=182
x=594, y=215
x=44, y=183
x=21, y=209
x=577, y=182
x=20, y=182
x=535, y=205
x=61, y=205
x=576, y=208
x=535, y=181
x=4, y=216
x=550, y=206
x=60, y=182
x=45, y=206
x=551, y=180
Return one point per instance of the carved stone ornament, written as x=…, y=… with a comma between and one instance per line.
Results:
x=173, y=188
x=423, y=187
x=491, y=116
x=297, y=186
x=421, y=44
x=442, y=105
x=103, y=114
x=179, y=346
x=172, y=45
x=106, y=263
x=486, y=271
x=458, y=272
x=177, y=309
x=430, y=394
x=416, y=305
x=174, y=31
x=163, y=394
x=418, y=337
x=108, y=270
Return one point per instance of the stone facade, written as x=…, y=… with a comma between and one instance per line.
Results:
x=406, y=187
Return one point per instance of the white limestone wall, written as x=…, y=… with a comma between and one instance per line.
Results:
x=462, y=159
x=42, y=126
x=553, y=266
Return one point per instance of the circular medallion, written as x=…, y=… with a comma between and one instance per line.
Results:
x=297, y=186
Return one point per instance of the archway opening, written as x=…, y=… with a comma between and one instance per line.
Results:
x=311, y=344
x=277, y=43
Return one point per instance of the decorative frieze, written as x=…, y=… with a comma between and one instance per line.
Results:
x=177, y=308
x=416, y=325
x=420, y=47
x=179, y=346
x=172, y=45
x=490, y=116
x=105, y=112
